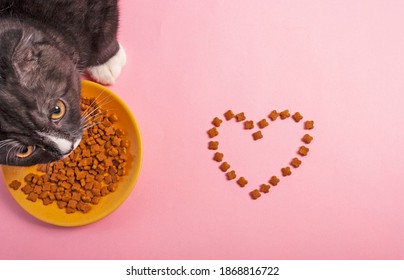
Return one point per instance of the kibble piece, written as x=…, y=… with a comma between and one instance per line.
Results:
x=104, y=191
x=85, y=208
x=95, y=200
x=248, y=125
x=297, y=117
x=257, y=135
x=46, y=186
x=72, y=204
x=112, y=152
x=113, y=118
x=96, y=192
x=242, y=182
x=255, y=194
x=264, y=188
x=42, y=167
x=124, y=143
x=307, y=138
x=110, y=131
x=37, y=189
x=295, y=162
x=213, y=145
x=218, y=157
x=61, y=204
x=231, y=175
x=240, y=117
x=262, y=123
x=224, y=166
x=274, y=180
x=216, y=122
x=117, y=141
x=46, y=201
x=76, y=196
x=28, y=177
x=286, y=171
x=27, y=189
x=120, y=132
x=112, y=187
x=32, y=196
x=15, y=185
x=308, y=124
x=229, y=115
x=70, y=210
x=213, y=132
x=44, y=194
x=273, y=115
x=303, y=151
x=284, y=114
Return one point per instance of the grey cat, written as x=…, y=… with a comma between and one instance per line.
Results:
x=44, y=48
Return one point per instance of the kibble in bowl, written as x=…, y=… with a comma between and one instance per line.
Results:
x=95, y=179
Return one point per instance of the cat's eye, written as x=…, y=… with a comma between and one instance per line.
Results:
x=58, y=111
x=25, y=151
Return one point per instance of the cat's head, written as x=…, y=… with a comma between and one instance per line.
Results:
x=40, y=106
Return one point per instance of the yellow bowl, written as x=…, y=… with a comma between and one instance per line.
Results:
x=51, y=213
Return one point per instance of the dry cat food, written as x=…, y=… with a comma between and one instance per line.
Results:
x=303, y=151
x=216, y=122
x=274, y=181
x=255, y=194
x=263, y=123
x=213, y=132
x=295, y=162
x=224, y=166
x=229, y=115
x=264, y=188
x=15, y=185
x=231, y=175
x=273, y=115
x=218, y=157
x=257, y=135
x=286, y=171
x=248, y=125
x=242, y=182
x=297, y=117
x=308, y=124
x=307, y=138
x=89, y=173
x=213, y=145
x=284, y=114
x=240, y=117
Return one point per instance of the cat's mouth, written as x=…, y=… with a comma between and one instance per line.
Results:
x=73, y=146
x=64, y=146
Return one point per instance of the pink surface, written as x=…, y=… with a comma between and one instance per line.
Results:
x=340, y=63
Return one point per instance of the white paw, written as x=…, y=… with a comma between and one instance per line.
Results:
x=107, y=73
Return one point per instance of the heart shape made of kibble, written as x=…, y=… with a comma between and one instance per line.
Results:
x=256, y=136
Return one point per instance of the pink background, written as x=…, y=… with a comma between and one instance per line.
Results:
x=340, y=63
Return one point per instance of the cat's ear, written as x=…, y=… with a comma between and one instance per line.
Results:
x=8, y=43
x=19, y=57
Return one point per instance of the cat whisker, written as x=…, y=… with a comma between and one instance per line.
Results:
x=89, y=111
x=90, y=125
x=88, y=115
x=98, y=101
x=91, y=119
x=5, y=143
x=10, y=152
